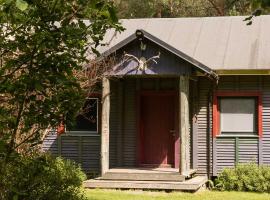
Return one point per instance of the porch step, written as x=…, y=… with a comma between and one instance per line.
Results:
x=192, y=184
x=157, y=174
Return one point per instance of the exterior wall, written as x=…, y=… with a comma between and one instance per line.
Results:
x=202, y=125
x=127, y=152
x=265, y=143
x=83, y=149
x=227, y=151
x=114, y=120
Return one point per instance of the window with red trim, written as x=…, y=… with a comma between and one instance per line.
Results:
x=237, y=113
x=88, y=120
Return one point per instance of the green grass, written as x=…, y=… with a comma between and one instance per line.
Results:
x=203, y=195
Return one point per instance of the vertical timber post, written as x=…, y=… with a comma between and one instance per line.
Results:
x=184, y=125
x=105, y=125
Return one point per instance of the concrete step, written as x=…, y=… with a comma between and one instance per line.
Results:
x=192, y=184
x=143, y=175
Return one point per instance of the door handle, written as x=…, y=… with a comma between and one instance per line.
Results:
x=172, y=132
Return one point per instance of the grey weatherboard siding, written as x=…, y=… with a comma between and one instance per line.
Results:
x=84, y=150
x=223, y=151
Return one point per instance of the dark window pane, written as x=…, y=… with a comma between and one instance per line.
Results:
x=87, y=120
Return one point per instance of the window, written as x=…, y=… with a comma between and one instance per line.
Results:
x=87, y=120
x=237, y=113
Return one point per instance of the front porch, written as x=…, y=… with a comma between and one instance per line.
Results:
x=145, y=137
x=141, y=123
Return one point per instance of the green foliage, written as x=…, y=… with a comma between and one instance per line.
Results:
x=41, y=177
x=21, y=4
x=185, y=8
x=42, y=44
x=259, y=7
x=245, y=177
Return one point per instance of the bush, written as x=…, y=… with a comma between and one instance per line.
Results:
x=245, y=177
x=41, y=177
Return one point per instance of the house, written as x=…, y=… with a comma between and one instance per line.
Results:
x=200, y=104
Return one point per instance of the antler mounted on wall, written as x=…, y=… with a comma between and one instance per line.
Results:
x=142, y=61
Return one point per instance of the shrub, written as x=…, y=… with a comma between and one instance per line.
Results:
x=41, y=177
x=245, y=177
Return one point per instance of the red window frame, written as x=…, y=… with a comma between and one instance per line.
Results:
x=216, y=112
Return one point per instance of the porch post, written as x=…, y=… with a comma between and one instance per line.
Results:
x=105, y=129
x=184, y=125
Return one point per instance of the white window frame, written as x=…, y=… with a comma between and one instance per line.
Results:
x=76, y=132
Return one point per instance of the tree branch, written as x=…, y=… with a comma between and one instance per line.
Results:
x=15, y=131
x=217, y=8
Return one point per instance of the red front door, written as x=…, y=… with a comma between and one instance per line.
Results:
x=157, y=129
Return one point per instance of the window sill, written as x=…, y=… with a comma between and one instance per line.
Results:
x=238, y=136
x=81, y=133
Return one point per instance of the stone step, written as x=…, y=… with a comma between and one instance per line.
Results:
x=192, y=184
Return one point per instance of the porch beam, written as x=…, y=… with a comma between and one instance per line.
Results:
x=184, y=125
x=105, y=121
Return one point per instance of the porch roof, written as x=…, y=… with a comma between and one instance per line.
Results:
x=217, y=43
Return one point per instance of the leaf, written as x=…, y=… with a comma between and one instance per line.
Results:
x=93, y=3
x=257, y=12
x=105, y=13
x=249, y=23
x=113, y=14
x=95, y=51
x=15, y=197
x=22, y=5
x=248, y=18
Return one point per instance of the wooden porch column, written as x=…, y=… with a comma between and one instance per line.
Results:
x=184, y=125
x=105, y=129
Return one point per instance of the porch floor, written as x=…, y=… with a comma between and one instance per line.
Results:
x=144, y=170
x=191, y=185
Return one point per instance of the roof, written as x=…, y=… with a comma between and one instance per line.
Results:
x=219, y=43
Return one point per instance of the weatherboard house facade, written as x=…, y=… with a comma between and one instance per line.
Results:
x=188, y=95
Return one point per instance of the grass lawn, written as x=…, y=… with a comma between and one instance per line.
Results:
x=203, y=195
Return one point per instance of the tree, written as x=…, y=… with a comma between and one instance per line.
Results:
x=43, y=43
x=259, y=7
x=185, y=8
